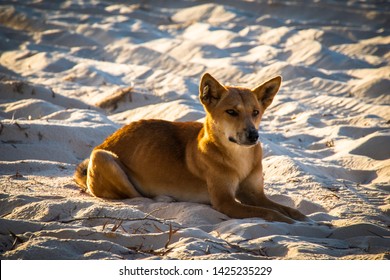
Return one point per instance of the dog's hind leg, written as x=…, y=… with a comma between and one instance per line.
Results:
x=106, y=176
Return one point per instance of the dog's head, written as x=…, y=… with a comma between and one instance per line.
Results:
x=234, y=113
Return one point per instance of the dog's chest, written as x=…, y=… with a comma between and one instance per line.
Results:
x=243, y=162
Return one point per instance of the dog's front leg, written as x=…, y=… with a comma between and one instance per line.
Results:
x=222, y=195
x=251, y=192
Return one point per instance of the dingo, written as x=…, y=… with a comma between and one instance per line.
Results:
x=217, y=163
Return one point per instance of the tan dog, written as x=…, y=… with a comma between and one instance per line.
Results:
x=217, y=163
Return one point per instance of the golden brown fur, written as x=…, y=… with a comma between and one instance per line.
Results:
x=218, y=162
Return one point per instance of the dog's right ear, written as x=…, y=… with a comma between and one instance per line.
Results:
x=210, y=90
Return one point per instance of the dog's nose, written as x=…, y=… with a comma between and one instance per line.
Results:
x=252, y=135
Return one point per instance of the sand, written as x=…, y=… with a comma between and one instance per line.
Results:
x=72, y=72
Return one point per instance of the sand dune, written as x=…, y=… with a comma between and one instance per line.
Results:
x=73, y=72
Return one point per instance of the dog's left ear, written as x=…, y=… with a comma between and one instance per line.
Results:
x=266, y=92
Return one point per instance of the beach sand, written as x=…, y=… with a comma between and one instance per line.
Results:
x=72, y=72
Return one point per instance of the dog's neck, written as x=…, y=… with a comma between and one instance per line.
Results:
x=207, y=132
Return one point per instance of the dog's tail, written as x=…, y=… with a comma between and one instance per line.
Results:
x=80, y=176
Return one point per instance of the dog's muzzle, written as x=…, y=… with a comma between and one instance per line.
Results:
x=248, y=138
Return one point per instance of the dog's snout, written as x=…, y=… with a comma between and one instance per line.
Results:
x=252, y=135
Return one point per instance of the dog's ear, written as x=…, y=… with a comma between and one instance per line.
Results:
x=210, y=90
x=266, y=92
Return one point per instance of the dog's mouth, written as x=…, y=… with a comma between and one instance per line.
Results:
x=231, y=139
x=246, y=143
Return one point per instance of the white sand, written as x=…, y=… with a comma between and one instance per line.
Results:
x=326, y=137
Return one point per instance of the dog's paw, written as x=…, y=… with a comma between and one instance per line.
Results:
x=276, y=216
x=295, y=214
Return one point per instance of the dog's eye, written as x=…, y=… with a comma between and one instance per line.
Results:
x=232, y=113
x=255, y=113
